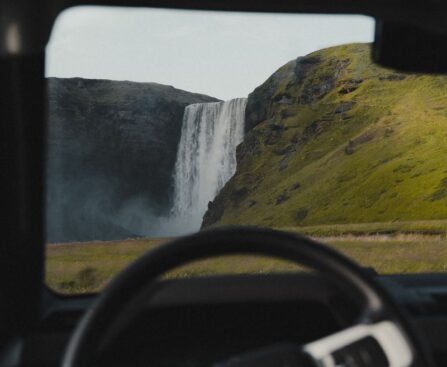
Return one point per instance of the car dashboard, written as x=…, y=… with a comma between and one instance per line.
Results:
x=200, y=321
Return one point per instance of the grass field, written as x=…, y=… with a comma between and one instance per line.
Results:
x=407, y=247
x=421, y=227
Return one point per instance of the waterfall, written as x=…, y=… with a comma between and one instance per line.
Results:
x=206, y=157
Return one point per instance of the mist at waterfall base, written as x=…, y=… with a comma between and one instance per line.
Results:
x=206, y=160
x=93, y=205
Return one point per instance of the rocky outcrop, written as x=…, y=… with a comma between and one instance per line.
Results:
x=111, y=152
x=261, y=99
x=271, y=92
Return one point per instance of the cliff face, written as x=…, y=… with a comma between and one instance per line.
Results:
x=111, y=151
x=333, y=138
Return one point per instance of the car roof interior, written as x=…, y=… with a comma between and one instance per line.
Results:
x=410, y=36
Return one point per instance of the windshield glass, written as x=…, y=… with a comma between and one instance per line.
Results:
x=165, y=122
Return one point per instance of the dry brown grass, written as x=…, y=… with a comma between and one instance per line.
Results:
x=87, y=267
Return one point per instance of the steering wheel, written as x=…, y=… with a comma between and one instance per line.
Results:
x=383, y=336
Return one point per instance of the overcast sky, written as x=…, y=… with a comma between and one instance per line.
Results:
x=225, y=55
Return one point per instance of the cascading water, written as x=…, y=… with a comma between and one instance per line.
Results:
x=206, y=158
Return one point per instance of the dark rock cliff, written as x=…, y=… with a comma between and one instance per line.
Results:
x=111, y=151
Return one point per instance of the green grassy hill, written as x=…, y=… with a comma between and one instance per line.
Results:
x=332, y=138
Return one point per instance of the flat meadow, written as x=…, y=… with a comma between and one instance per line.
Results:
x=405, y=247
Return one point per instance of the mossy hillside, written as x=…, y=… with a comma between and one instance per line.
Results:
x=340, y=140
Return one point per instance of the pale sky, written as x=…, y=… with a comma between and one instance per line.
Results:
x=224, y=55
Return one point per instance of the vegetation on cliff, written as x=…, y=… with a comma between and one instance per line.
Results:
x=332, y=138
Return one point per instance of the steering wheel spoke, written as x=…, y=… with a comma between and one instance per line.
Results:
x=381, y=344
x=364, y=345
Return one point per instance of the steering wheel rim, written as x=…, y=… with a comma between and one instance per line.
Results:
x=234, y=240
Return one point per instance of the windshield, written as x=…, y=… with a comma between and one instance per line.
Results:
x=165, y=122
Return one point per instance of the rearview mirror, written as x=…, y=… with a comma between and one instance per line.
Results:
x=410, y=49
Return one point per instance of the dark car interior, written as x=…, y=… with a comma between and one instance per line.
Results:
x=340, y=315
